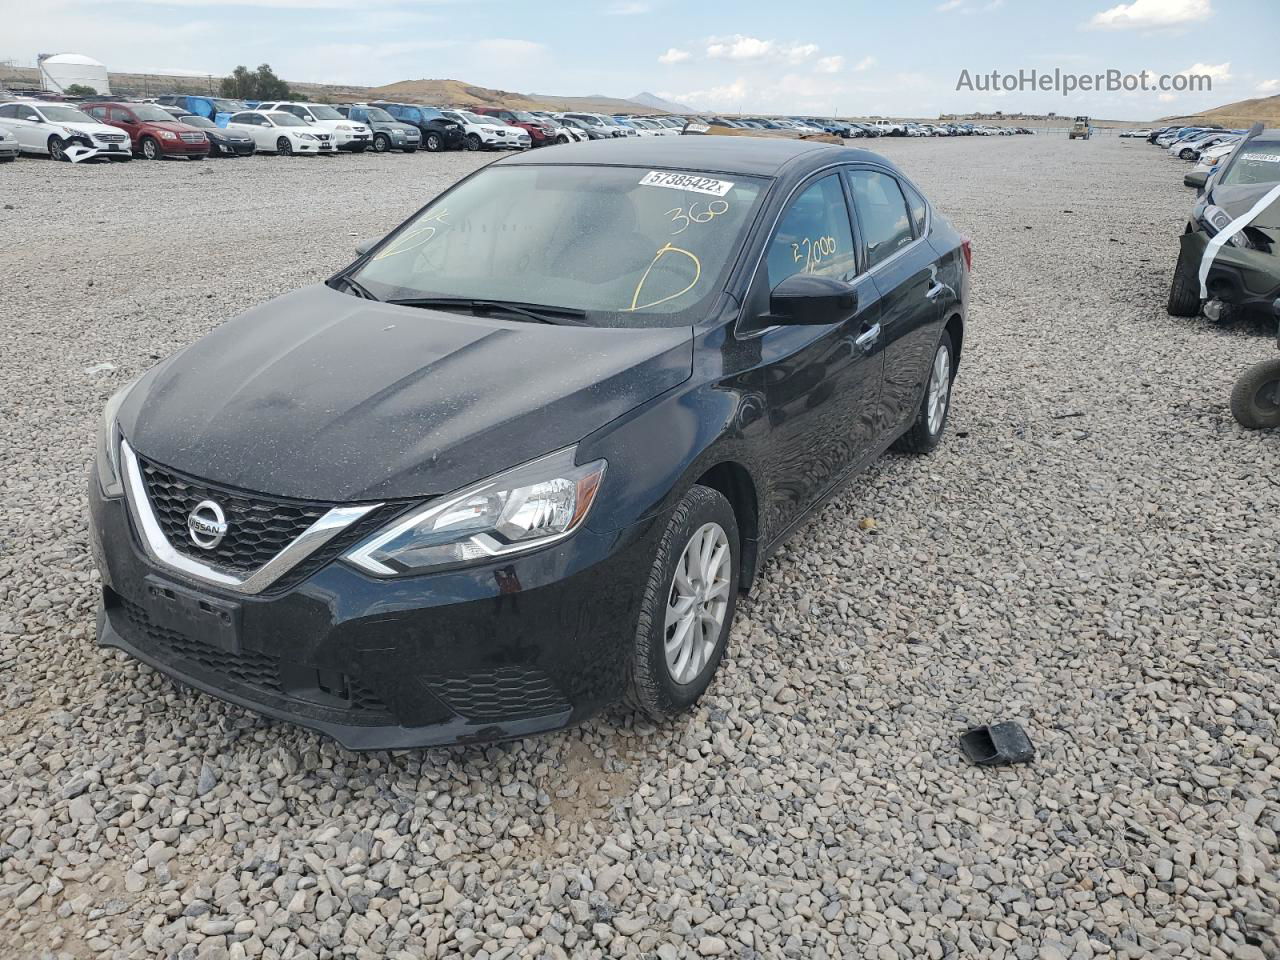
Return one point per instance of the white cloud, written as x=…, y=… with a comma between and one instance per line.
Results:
x=866, y=63
x=628, y=9
x=949, y=5
x=1152, y=13
x=1269, y=86
x=674, y=55
x=1218, y=72
x=728, y=96
x=1168, y=97
x=739, y=47
x=829, y=64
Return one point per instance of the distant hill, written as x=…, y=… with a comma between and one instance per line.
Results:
x=462, y=94
x=657, y=103
x=1244, y=113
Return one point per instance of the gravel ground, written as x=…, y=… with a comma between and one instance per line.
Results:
x=1092, y=552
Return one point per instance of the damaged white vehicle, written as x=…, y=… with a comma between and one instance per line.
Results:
x=63, y=132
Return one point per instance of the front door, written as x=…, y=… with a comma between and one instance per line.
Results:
x=821, y=382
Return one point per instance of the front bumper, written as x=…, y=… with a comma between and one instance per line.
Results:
x=1248, y=280
x=183, y=149
x=496, y=652
x=225, y=149
x=354, y=141
x=8, y=149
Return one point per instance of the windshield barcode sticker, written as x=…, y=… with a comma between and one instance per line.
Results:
x=686, y=181
x=1260, y=157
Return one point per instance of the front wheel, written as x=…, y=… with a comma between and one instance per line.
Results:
x=935, y=405
x=472, y=141
x=150, y=149
x=284, y=147
x=562, y=139
x=57, y=148
x=688, y=606
x=1187, y=155
x=433, y=142
x=1255, y=401
x=1184, y=290
x=381, y=143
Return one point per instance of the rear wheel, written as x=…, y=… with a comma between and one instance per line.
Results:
x=150, y=149
x=688, y=606
x=381, y=143
x=1184, y=290
x=284, y=147
x=1255, y=401
x=433, y=141
x=935, y=405
x=471, y=141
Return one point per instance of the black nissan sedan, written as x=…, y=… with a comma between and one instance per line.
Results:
x=518, y=461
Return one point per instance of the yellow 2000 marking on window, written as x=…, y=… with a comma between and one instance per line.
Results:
x=662, y=252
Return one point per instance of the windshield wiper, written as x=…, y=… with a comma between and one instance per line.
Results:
x=355, y=287
x=536, y=312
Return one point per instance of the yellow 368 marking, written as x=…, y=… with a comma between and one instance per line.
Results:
x=419, y=235
x=693, y=215
x=662, y=252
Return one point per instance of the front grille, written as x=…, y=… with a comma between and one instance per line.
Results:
x=192, y=137
x=109, y=137
x=258, y=527
x=322, y=136
x=507, y=693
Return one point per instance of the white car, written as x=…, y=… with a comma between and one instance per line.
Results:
x=1210, y=157
x=654, y=128
x=347, y=134
x=888, y=128
x=282, y=133
x=1143, y=134
x=9, y=149
x=487, y=133
x=62, y=131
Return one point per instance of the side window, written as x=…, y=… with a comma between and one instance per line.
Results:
x=916, y=204
x=299, y=112
x=814, y=235
x=121, y=116
x=98, y=113
x=882, y=214
x=9, y=111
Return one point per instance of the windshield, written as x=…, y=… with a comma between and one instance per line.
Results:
x=322, y=112
x=378, y=115
x=194, y=121
x=630, y=246
x=476, y=118
x=286, y=119
x=523, y=117
x=1257, y=162
x=61, y=114
x=150, y=114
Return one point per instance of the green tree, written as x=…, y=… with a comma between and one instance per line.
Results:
x=260, y=84
x=80, y=90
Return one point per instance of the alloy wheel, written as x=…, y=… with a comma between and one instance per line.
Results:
x=432, y=142
x=381, y=143
x=284, y=147
x=150, y=150
x=939, y=387
x=697, y=603
x=57, y=149
x=473, y=141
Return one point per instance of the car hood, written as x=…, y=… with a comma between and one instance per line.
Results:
x=97, y=129
x=321, y=395
x=1238, y=199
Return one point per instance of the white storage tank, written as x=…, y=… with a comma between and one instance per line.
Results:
x=60, y=70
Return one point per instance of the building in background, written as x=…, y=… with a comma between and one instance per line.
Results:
x=61, y=70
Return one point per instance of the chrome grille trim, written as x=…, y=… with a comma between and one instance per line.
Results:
x=160, y=551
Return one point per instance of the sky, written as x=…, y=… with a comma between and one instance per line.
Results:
x=853, y=57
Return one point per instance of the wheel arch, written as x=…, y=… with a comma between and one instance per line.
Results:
x=733, y=481
x=955, y=327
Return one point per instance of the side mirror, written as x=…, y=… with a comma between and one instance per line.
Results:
x=807, y=298
x=364, y=246
x=1196, y=179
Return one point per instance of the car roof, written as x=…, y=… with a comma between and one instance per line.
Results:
x=745, y=156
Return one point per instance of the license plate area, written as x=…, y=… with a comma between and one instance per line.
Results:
x=204, y=619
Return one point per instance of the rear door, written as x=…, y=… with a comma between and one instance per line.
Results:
x=904, y=269
x=821, y=383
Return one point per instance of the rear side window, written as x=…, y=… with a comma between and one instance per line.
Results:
x=917, y=207
x=882, y=214
x=814, y=235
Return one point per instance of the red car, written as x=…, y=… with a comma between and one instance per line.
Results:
x=155, y=133
x=540, y=132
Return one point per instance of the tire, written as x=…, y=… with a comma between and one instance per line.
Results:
x=1184, y=290
x=927, y=430
x=58, y=149
x=381, y=143
x=1255, y=399
x=150, y=149
x=360, y=148
x=432, y=141
x=284, y=147
x=562, y=139
x=410, y=149
x=471, y=142
x=654, y=689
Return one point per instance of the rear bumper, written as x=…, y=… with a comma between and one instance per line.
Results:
x=488, y=653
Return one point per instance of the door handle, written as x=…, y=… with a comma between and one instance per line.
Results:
x=933, y=291
x=867, y=339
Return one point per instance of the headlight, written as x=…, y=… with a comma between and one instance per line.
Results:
x=108, y=453
x=307, y=136
x=168, y=135
x=1217, y=220
x=525, y=508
